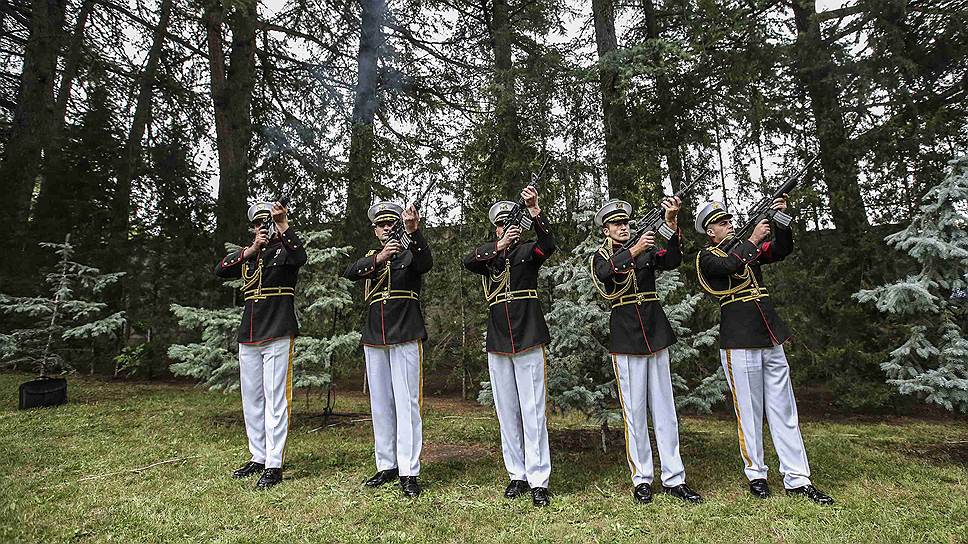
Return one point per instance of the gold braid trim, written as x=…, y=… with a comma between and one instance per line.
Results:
x=503, y=281
x=746, y=277
x=621, y=287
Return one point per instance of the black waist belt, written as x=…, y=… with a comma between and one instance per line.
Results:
x=746, y=295
x=384, y=296
x=508, y=296
x=266, y=292
x=636, y=298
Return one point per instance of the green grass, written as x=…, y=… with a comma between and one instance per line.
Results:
x=898, y=480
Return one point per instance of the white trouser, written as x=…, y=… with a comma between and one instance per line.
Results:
x=518, y=387
x=760, y=379
x=396, y=393
x=266, y=375
x=645, y=385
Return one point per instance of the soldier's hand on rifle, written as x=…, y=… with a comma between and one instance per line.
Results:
x=671, y=207
x=280, y=216
x=530, y=197
x=391, y=248
x=780, y=204
x=511, y=235
x=645, y=243
x=760, y=232
x=260, y=241
x=411, y=219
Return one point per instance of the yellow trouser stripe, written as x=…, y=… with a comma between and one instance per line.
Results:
x=625, y=423
x=292, y=343
x=420, y=376
x=739, y=421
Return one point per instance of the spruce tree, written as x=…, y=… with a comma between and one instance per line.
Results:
x=932, y=362
x=580, y=375
x=319, y=349
x=69, y=313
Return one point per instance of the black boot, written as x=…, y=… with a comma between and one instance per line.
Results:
x=269, y=478
x=248, y=469
x=382, y=477
x=539, y=496
x=811, y=493
x=759, y=488
x=516, y=488
x=643, y=493
x=684, y=493
x=410, y=486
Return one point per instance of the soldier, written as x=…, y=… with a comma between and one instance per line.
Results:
x=269, y=267
x=516, y=339
x=393, y=335
x=639, y=341
x=751, y=342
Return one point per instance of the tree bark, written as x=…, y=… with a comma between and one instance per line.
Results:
x=30, y=130
x=131, y=161
x=232, y=87
x=507, y=161
x=669, y=142
x=614, y=112
x=49, y=216
x=367, y=101
x=816, y=72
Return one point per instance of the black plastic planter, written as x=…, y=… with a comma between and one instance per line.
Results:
x=43, y=392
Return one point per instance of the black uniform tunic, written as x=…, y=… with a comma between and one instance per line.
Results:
x=392, y=292
x=517, y=324
x=638, y=328
x=748, y=318
x=267, y=314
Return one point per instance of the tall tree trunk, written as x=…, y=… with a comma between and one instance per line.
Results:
x=51, y=213
x=360, y=174
x=131, y=161
x=669, y=142
x=232, y=87
x=30, y=130
x=815, y=69
x=508, y=161
x=615, y=116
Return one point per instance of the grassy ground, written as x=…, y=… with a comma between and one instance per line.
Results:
x=67, y=477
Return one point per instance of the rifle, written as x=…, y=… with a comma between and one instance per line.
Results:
x=655, y=220
x=764, y=209
x=398, y=232
x=518, y=214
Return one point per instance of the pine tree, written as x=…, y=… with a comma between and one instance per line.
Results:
x=933, y=362
x=65, y=315
x=319, y=348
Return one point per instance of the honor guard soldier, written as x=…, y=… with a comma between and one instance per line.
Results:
x=751, y=341
x=516, y=339
x=393, y=336
x=268, y=268
x=640, y=336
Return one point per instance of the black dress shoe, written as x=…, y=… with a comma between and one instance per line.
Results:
x=643, y=493
x=683, y=492
x=410, y=486
x=539, y=496
x=759, y=488
x=269, y=478
x=248, y=469
x=516, y=488
x=382, y=477
x=811, y=493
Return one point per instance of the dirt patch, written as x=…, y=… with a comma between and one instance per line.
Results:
x=303, y=421
x=437, y=452
x=955, y=452
x=575, y=440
